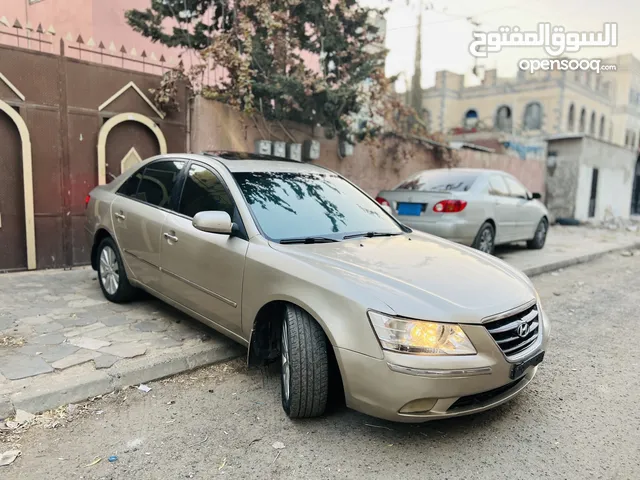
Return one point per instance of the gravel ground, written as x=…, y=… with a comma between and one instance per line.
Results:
x=579, y=419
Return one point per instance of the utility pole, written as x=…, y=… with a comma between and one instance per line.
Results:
x=416, y=80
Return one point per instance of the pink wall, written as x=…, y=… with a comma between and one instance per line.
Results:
x=102, y=20
x=215, y=126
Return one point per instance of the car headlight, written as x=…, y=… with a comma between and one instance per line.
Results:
x=419, y=336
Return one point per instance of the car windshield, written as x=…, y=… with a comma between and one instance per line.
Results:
x=440, y=180
x=290, y=205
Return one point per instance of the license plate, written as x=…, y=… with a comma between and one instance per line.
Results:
x=413, y=209
x=518, y=369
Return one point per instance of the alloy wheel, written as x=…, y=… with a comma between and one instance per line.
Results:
x=541, y=232
x=109, y=270
x=486, y=241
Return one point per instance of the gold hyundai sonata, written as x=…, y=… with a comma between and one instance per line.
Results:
x=304, y=268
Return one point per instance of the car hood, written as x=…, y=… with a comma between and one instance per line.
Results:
x=420, y=276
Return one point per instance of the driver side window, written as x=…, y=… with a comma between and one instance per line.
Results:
x=203, y=191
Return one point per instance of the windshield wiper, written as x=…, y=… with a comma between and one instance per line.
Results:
x=370, y=235
x=308, y=240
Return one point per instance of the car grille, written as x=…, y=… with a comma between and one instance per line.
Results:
x=482, y=398
x=517, y=332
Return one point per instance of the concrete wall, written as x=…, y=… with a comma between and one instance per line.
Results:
x=616, y=167
x=530, y=172
x=569, y=183
x=562, y=179
x=215, y=126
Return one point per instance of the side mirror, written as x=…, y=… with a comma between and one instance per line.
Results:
x=213, y=222
x=536, y=196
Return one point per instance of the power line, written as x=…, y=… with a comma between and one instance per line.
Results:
x=456, y=18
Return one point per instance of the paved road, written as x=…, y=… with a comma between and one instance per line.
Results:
x=578, y=420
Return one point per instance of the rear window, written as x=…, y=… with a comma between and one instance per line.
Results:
x=438, y=181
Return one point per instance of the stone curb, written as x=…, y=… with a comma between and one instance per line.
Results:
x=101, y=382
x=557, y=265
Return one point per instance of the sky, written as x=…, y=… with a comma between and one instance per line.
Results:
x=446, y=32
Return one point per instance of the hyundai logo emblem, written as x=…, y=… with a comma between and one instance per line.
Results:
x=523, y=329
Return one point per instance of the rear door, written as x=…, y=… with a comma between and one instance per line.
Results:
x=204, y=271
x=527, y=213
x=504, y=207
x=139, y=211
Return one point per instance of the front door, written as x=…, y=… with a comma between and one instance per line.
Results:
x=635, y=194
x=138, y=212
x=204, y=271
x=594, y=193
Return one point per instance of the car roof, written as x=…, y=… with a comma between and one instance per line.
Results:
x=477, y=171
x=237, y=162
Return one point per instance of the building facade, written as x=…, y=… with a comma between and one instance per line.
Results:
x=605, y=106
x=585, y=126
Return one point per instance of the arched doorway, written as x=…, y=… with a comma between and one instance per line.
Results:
x=17, y=230
x=125, y=138
x=635, y=193
x=13, y=254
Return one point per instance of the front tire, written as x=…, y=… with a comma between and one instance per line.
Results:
x=305, y=365
x=485, y=239
x=111, y=273
x=540, y=237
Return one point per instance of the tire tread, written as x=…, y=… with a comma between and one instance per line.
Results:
x=309, y=365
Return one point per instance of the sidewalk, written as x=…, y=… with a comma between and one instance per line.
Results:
x=567, y=246
x=62, y=342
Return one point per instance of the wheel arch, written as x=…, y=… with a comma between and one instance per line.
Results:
x=493, y=223
x=100, y=235
x=265, y=336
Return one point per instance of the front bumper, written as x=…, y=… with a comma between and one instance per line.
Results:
x=451, y=386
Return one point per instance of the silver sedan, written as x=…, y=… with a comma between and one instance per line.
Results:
x=475, y=207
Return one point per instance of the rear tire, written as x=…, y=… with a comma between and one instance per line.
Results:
x=485, y=239
x=305, y=365
x=111, y=273
x=540, y=237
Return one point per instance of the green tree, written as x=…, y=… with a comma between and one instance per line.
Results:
x=262, y=46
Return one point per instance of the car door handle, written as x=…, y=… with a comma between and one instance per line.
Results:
x=119, y=216
x=171, y=238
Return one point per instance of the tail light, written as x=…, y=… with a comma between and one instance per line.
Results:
x=449, y=206
x=87, y=199
x=383, y=201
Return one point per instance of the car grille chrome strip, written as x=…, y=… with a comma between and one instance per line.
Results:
x=516, y=333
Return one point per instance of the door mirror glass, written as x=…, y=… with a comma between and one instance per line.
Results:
x=536, y=196
x=213, y=222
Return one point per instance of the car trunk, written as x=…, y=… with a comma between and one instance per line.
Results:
x=415, y=203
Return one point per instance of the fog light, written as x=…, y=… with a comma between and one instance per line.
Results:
x=422, y=405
